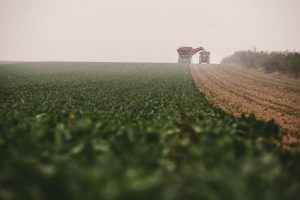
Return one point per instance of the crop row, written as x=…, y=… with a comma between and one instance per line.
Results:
x=131, y=131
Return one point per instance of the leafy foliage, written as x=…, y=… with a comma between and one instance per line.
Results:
x=284, y=62
x=131, y=131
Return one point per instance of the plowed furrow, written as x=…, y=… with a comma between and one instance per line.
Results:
x=258, y=98
x=237, y=94
x=276, y=97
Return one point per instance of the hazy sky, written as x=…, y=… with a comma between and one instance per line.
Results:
x=143, y=30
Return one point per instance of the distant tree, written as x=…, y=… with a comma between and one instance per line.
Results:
x=283, y=62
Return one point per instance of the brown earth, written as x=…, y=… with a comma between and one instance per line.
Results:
x=238, y=90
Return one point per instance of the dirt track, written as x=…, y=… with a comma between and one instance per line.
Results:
x=237, y=90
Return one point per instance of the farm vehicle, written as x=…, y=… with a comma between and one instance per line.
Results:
x=185, y=55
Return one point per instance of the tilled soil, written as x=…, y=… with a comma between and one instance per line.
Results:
x=238, y=91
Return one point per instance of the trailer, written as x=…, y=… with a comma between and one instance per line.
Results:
x=204, y=57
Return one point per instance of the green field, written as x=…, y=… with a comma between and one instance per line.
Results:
x=131, y=131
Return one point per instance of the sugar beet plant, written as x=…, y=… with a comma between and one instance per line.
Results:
x=131, y=131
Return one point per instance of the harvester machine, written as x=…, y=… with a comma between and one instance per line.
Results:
x=185, y=54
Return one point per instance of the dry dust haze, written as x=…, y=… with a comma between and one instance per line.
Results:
x=143, y=31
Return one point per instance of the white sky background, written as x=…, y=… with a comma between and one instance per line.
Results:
x=143, y=30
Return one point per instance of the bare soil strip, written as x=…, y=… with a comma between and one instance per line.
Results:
x=237, y=91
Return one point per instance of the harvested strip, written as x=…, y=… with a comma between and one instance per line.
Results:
x=259, y=94
x=237, y=92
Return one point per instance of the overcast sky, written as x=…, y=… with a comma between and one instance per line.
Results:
x=143, y=30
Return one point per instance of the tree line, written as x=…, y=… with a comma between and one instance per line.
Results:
x=286, y=62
